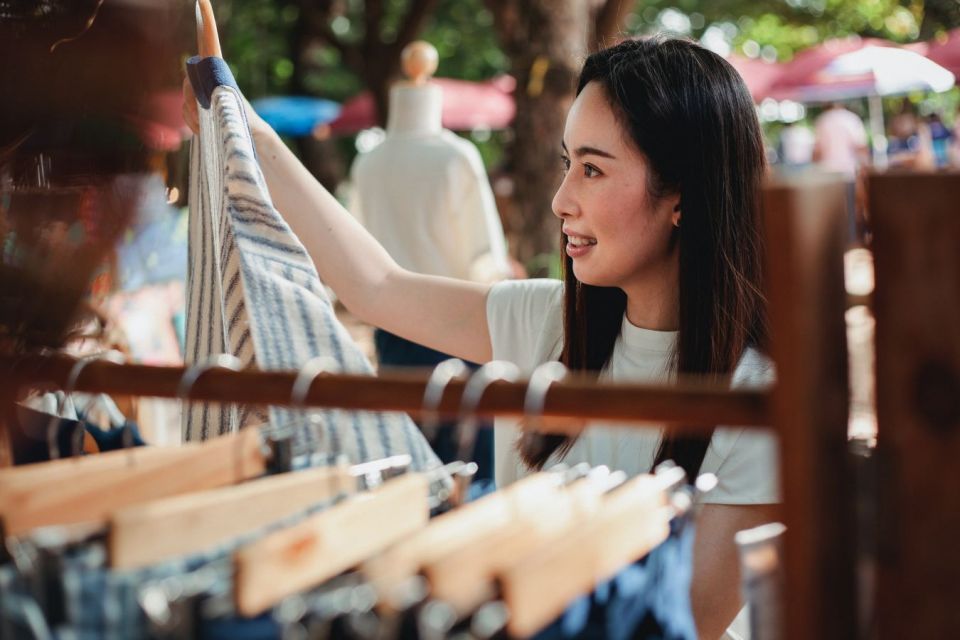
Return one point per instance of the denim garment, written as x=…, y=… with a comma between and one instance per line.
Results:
x=263, y=627
x=29, y=442
x=650, y=599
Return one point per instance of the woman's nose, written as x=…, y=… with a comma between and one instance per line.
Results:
x=564, y=205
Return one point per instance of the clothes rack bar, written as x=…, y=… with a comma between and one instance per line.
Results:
x=691, y=403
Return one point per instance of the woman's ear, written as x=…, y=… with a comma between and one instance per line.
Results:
x=677, y=212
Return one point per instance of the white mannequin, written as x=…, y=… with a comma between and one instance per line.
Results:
x=423, y=193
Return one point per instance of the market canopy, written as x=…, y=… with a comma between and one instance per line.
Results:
x=857, y=68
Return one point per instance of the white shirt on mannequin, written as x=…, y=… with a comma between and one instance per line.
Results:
x=424, y=195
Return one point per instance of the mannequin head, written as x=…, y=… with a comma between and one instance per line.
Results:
x=689, y=132
x=416, y=105
x=419, y=60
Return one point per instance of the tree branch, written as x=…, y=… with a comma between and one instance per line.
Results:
x=318, y=21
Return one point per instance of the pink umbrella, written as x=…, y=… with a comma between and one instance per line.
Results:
x=466, y=105
x=756, y=73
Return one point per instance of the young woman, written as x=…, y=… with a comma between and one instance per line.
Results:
x=658, y=210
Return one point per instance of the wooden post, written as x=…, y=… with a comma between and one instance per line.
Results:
x=917, y=305
x=806, y=234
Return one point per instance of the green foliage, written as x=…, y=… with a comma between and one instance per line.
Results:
x=260, y=39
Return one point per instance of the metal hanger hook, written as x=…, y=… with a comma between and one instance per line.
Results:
x=190, y=377
x=495, y=371
x=539, y=385
x=193, y=374
x=69, y=386
x=437, y=383
x=306, y=376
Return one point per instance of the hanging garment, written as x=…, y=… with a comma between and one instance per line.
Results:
x=253, y=291
x=30, y=433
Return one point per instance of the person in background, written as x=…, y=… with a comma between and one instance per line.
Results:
x=841, y=147
x=941, y=138
x=797, y=142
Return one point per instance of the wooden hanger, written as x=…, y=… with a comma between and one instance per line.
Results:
x=464, y=578
x=148, y=533
x=208, y=40
x=631, y=521
x=328, y=543
x=38, y=472
x=88, y=490
x=458, y=529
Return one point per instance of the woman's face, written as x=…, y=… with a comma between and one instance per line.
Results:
x=617, y=234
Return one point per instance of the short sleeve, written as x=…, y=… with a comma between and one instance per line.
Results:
x=525, y=321
x=745, y=461
x=478, y=221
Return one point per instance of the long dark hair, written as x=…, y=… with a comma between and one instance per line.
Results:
x=691, y=116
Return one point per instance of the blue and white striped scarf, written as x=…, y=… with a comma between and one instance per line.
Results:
x=254, y=292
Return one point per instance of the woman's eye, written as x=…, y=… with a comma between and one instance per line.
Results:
x=590, y=171
x=566, y=163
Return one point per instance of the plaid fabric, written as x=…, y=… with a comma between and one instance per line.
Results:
x=255, y=293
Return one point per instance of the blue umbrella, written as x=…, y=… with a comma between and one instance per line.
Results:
x=296, y=115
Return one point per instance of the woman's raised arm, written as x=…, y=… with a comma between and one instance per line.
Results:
x=441, y=313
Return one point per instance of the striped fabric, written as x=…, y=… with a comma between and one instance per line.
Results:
x=253, y=292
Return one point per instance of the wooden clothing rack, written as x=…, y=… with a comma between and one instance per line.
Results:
x=917, y=309
x=808, y=406
x=690, y=402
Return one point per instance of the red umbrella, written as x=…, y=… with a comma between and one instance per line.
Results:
x=466, y=105
x=756, y=73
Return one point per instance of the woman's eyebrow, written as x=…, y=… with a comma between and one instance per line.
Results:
x=588, y=150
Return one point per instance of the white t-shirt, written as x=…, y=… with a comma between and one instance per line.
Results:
x=840, y=135
x=526, y=328
x=426, y=198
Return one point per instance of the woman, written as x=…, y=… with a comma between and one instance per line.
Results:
x=658, y=208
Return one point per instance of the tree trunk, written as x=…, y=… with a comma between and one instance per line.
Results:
x=546, y=41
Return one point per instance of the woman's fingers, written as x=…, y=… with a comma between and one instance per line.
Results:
x=190, y=114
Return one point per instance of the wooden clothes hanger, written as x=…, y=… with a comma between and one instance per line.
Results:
x=87, y=490
x=328, y=543
x=464, y=578
x=148, y=533
x=632, y=520
x=390, y=570
x=208, y=40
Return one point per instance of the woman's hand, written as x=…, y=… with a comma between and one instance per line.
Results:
x=191, y=115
